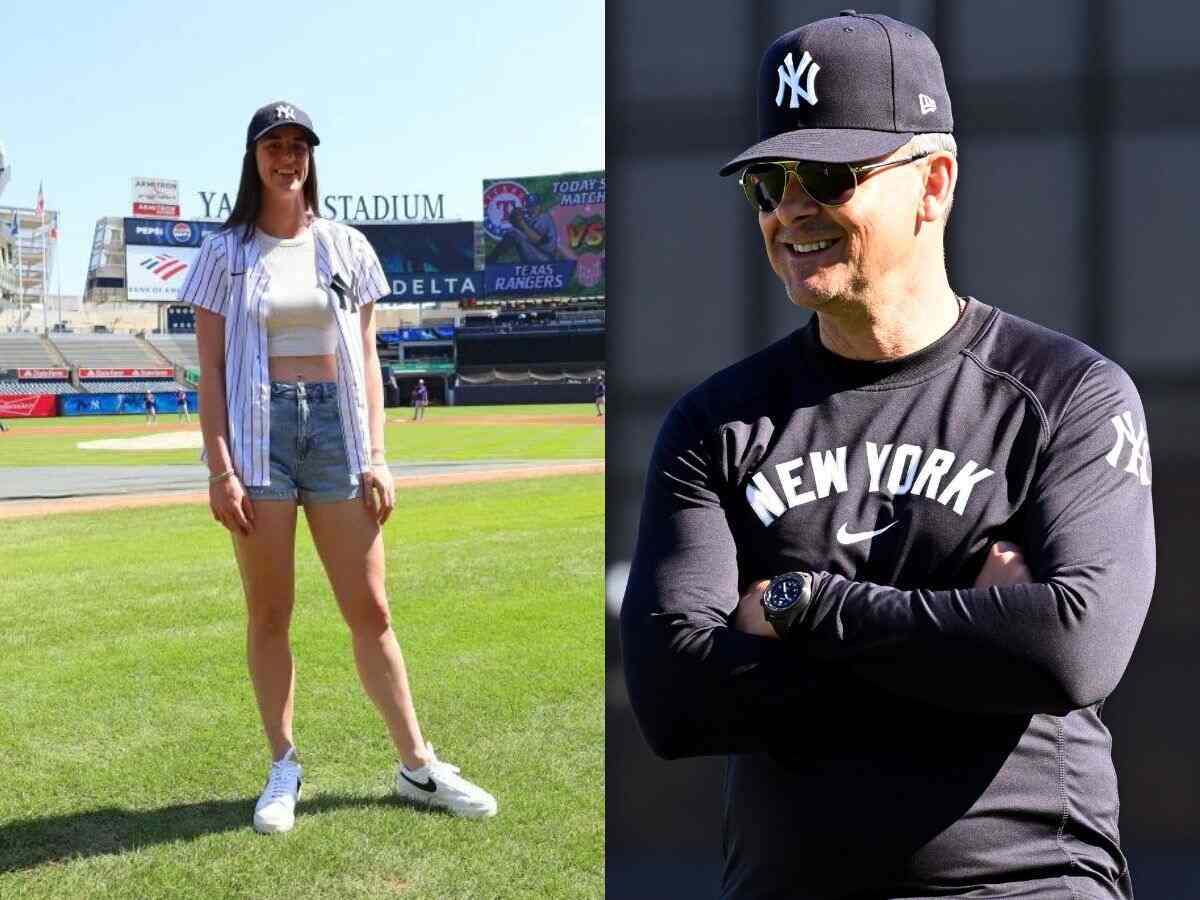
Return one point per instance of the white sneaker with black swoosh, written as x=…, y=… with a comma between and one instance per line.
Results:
x=439, y=784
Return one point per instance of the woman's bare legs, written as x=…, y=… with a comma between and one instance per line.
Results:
x=267, y=560
x=350, y=544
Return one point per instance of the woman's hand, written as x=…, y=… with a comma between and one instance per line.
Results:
x=231, y=505
x=378, y=491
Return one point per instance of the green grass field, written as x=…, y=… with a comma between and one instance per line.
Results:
x=34, y=442
x=132, y=750
x=130, y=744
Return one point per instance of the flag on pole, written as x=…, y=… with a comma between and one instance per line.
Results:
x=41, y=204
x=14, y=227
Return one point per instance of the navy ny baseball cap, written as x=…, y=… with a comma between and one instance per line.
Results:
x=853, y=87
x=273, y=115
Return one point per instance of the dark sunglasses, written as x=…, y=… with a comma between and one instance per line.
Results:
x=830, y=184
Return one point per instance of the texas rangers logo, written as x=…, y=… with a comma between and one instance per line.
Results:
x=499, y=201
x=791, y=79
x=164, y=266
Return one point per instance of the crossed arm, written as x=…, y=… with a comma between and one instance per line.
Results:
x=703, y=677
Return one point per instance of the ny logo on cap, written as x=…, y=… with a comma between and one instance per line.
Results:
x=791, y=78
x=927, y=104
x=285, y=112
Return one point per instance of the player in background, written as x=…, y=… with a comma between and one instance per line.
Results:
x=420, y=399
x=181, y=403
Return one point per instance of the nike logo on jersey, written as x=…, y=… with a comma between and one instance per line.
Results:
x=428, y=787
x=857, y=537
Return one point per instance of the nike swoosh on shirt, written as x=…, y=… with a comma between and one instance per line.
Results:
x=857, y=537
x=428, y=787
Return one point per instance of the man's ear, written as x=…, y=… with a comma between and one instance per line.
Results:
x=940, y=179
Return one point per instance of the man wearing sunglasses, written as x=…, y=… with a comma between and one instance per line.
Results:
x=893, y=564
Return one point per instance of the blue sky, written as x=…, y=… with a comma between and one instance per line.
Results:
x=428, y=97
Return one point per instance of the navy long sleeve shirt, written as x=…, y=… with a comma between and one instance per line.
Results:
x=913, y=736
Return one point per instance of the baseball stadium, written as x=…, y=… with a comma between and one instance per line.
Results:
x=492, y=355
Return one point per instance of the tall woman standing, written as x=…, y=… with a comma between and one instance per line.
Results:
x=291, y=408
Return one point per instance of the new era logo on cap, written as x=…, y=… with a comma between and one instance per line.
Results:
x=927, y=104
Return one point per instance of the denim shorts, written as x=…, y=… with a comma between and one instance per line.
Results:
x=308, y=449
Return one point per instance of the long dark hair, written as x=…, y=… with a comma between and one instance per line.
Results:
x=250, y=194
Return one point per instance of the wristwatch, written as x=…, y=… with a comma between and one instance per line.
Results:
x=785, y=600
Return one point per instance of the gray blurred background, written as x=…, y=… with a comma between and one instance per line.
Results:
x=1078, y=123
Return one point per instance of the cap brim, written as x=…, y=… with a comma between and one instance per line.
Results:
x=821, y=145
x=312, y=134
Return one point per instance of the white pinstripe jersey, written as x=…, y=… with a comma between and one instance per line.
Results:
x=230, y=278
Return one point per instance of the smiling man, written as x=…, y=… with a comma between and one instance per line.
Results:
x=893, y=564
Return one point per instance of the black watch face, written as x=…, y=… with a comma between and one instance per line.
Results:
x=783, y=594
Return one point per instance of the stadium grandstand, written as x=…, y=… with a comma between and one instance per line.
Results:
x=26, y=351
x=113, y=351
x=31, y=387
x=160, y=386
x=28, y=365
x=116, y=363
x=530, y=353
x=180, y=349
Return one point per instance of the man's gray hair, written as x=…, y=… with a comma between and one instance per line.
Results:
x=933, y=142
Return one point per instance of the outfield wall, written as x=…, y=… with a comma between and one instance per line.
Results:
x=28, y=406
x=494, y=394
x=121, y=404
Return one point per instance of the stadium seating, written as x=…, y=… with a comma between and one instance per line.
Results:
x=179, y=348
x=38, y=387
x=18, y=351
x=135, y=387
x=116, y=351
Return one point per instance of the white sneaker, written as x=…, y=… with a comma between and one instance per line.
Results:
x=276, y=808
x=439, y=784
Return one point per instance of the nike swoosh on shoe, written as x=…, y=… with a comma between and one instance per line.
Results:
x=428, y=787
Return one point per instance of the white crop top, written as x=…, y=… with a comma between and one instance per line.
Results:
x=300, y=312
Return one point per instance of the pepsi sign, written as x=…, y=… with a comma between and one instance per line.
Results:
x=167, y=232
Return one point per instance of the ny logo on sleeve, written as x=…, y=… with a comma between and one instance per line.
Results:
x=1139, y=447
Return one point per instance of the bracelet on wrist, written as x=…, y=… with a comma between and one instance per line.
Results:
x=221, y=476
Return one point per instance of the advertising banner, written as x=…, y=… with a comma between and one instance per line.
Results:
x=544, y=235
x=27, y=406
x=167, y=232
x=113, y=374
x=157, y=273
x=427, y=262
x=133, y=403
x=396, y=336
x=44, y=374
x=155, y=197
